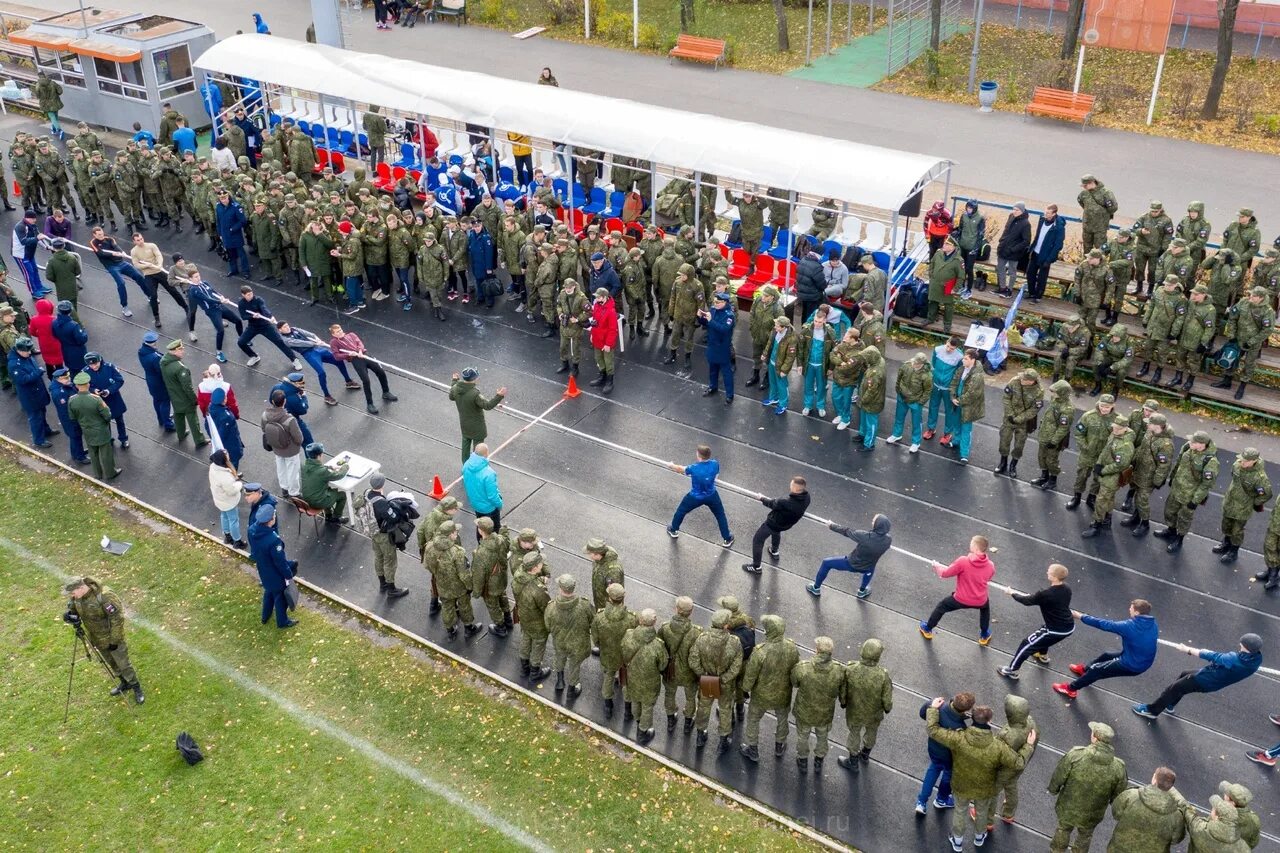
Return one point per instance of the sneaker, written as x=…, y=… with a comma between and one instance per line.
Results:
x=781, y=410
x=1076, y=669
x=915, y=448
x=768, y=402
x=980, y=839
x=773, y=552
x=835, y=420
x=964, y=460
x=755, y=570
x=354, y=309
x=921, y=808
x=928, y=434
x=945, y=441
x=221, y=357
x=1038, y=657
x=466, y=300
x=822, y=413
x=1261, y=758
x=674, y=534
x=253, y=360
x=842, y=426
x=984, y=639
x=191, y=336
x=297, y=364
x=948, y=803
x=893, y=439
x=863, y=593
x=1064, y=689
x=815, y=591
x=1007, y=673
x=452, y=295
x=806, y=410
x=726, y=543
x=1144, y=711
x=925, y=632
x=957, y=844
x=126, y=312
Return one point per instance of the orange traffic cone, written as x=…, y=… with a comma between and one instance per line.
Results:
x=438, y=490
x=572, y=391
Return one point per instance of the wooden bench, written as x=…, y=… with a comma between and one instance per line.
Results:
x=699, y=49
x=1059, y=103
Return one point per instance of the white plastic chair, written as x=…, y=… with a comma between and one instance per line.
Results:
x=877, y=234
x=850, y=233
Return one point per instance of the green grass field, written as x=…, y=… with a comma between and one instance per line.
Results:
x=322, y=736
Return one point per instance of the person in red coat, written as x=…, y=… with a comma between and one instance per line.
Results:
x=604, y=337
x=937, y=226
x=41, y=328
x=211, y=381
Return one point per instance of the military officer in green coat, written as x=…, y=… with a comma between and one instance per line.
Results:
x=471, y=408
x=573, y=310
x=1097, y=205
x=610, y=623
x=1148, y=819
x=716, y=659
x=266, y=240
x=529, y=584
x=182, y=394
x=316, y=477
x=91, y=414
x=645, y=658
x=765, y=308
x=819, y=682
x=1053, y=434
x=1198, y=329
x=946, y=271
x=1248, y=493
x=688, y=297
x=1023, y=400
x=569, y=618
x=1086, y=781
x=1194, y=472
x=98, y=612
x=679, y=635
x=1112, y=462
x=1151, y=464
x=866, y=696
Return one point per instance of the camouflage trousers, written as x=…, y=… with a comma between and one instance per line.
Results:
x=1010, y=791
x=498, y=606
x=102, y=205
x=533, y=647
x=130, y=205
x=569, y=664
x=1013, y=437
x=571, y=344
x=682, y=335
x=1189, y=361
x=1233, y=530
x=384, y=557
x=1107, y=487
x=546, y=295
x=118, y=661
x=702, y=716
x=822, y=744
x=1064, y=366
x=669, y=689
x=1084, y=474
x=1157, y=350
x=1177, y=515
x=984, y=814
x=643, y=712
x=58, y=195
x=454, y=608
x=755, y=713
x=1048, y=456
x=1093, y=238
x=862, y=736
x=1248, y=360
x=1271, y=549
x=608, y=677
x=1142, y=499
x=1062, y=837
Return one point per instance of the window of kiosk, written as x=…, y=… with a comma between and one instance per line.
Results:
x=61, y=66
x=174, y=75
x=121, y=78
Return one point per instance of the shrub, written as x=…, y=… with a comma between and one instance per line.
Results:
x=614, y=26
x=650, y=39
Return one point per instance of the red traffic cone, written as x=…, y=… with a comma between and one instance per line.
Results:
x=572, y=390
x=438, y=490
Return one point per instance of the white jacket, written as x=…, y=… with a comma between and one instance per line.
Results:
x=224, y=486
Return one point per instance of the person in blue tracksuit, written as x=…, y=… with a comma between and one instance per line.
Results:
x=275, y=569
x=719, y=321
x=106, y=380
x=951, y=715
x=61, y=391
x=483, y=260
x=216, y=307
x=294, y=387
x=28, y=380
x=71, y=336
x=259, y=320
x=946, y=358
x=1224, y=670
x=149, y=357
x=224, y=421
x=315, y=352
x=481, y=484
x=1139, y=635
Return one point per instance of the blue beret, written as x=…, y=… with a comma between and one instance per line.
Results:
x=598, y=256
x=150, y=338
x=61, y=371
x=264, y=514
x=92, y=356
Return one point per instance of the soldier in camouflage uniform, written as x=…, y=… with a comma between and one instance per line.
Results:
x=1151, y=464
x=1153, y=232
x=1271, y=552
x=1178, y=262
x=104, y=189
x=1243, y=236
x=635, y=286
x=128, y=190
x=1148, y=819
x=1053, y=434
x=529, y=583
x=1086, y=781
x=53, y=178
x=1198, y=329
x=767, y=679
x=1075, y=341
x=1019, y=724
x=1098, y=204
x=1112, y=462
x=1120, y=255
x=171, y=192
x=666, y=268
x=292, y=219
x=447, y=563
x=1266, y=272
x=22, y=160
x=1111, y=359
x=866, y=695
x=716, y=653
x=611, y=622
x=149, y=176
x=544, y=287
x=606, y=569
x=489, y=574
x=1023, y=400
x=1246, y=818
x=765, y=308
x=78, y=166
x=443, y=511
x=687, y=299
x=1226, y=277
x=1092, y=431
x=569, y=619
x=1195, y=230
x=1093, y=279
x=432, y=268
x=1163, y=317
x=572, y=310
x=645, y=657
x=266, y=237
x=1194, y=472
x=97, y=612
x=1250, y=323
x=679, y=635
x=1248, y=493
x=818, y=682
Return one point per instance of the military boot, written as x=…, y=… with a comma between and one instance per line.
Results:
x=560, y=681
x=573, y=371
x=550, y=332
x=1189, y=384
x=1144, y=370
x=1232, y=552
x=688, y=365
x=1090, y=501
x=564, y=367
x=1050, y=483
x=1175, y=381
x=1013, y=469
x=434, y=607
x=643, y=332
x=538, y=673
x=1092, y=530
x=1222, y=547
x=120, y=688
x=607, y=388
x=1127, y=506
x=1042, y=479
x=608, y=708
x=138, y=696
x=1155, y=377
x=382, y=584
x=779, y=748
x=1175, y=544
x=1273, y=578
x=848, y=762
x=627, y=716
x=755, y=378
x=524, y=667
x=671, y=722
x=645, y=737
x=1140, y=529
x=702, y=739
x=671, y=358
x=1167, y=533
x=1131, y=521
x=1074, y=502
x=598, y=381
x=1096, y=389
x=803, y=764
x=1003, y=467
x=1224, y=382
x=498, y=629
x=817, y=765
x=1239, y=395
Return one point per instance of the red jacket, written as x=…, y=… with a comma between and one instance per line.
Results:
x=41, y=328
x=938, y=222
x=604, y=324
x=971, y=574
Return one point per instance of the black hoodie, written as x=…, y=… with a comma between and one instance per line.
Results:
x=786, y=511
x=871, y=544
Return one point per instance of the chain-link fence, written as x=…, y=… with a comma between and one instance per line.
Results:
x=910, y=26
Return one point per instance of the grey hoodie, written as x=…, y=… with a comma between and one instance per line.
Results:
x=871, y=544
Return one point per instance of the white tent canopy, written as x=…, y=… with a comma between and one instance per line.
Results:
x=846, y=171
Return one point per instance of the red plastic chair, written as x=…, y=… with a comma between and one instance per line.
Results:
x=738, y=262
x=416, y=176
x=337, y=162
x=398, y=172
x=383, y=180
x=764, y=272
x=724, y=250
x=322, y=160
x=784, y=274
x=614, y=224
x=746, y=294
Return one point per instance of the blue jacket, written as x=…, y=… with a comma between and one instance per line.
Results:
x=719, y=334
x=948, y=718
x=27, y=235
x=1052, y=241
x=149, y=357
x=267, y=550
x=1138, y=638
x=74, y=340
x=28, y=380
x=184, y=139
x=258, y=306
x=225, y=423
x=943, y=367
x=295, y=402
x=231, y=222
x=481, y=254
x=702, y=476
x=1226, y=668
x=205, y=297
x=481, y=483
x=61, y=396
x=108, y=378
x=606, y=277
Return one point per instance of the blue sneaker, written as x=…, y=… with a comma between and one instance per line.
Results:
x=921, y=807
x=957, y=843
x=948, y=803
x=925, y=632
x=222, y=359
x=864, y=593
x=781, y=410
x=1144, y=711
x=980, y=839
x=768, y=402
x=815, y=591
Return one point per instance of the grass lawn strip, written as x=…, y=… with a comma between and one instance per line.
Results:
x=273, y=777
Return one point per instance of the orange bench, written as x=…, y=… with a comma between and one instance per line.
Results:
x=699, y=49
x=1059, y=103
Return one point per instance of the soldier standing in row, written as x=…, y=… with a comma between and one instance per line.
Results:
x=716, y=657
x=1086, y=781
x=1194, y=473
x=98, y=611
x=1151, y=464
x=1150, y=817
x=645, y=657
x=1195, y=230
x=489, y=574
x=679, y=635
x=607, y=628
x=688, y=297
x=530, y=587
x=1114, y=460
x=1154, y=231
x=1193, y=342
x=1023, y=400
x=572, y=311
x=1091, y=431
x=867, y=695
x=569, y=619
x=1053, y=434
x=1098, y=204
x=1248, y=493
x=1163, y=318
x=1249, y=323
x=767, y=679
x=819, y=682
x=447, y=562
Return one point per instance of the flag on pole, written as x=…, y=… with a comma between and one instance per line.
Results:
x=1000, y=351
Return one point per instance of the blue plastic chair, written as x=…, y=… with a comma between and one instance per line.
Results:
x=828, y=246
x=304, y=126
x=766, y=234
x=334, y=139
x=779, y=252
x=596, y=203
x=317, y=136
x=275, y=119
x=881, y=259
x=561, y=188
x=363, y=141
x=347, y=142
x=617, y=199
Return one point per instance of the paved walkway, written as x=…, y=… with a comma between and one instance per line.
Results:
x=996, y=153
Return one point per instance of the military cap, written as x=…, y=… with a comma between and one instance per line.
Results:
x=65, y=307
x=1251, y=453
x=446, y=528
x=1029, y=375
x=595, y=545
x=1178, y=241
x=1095, y=253
x=539, y=229
x=527, y=534
x=720, y=618
x=1199, y=437
x=484, y=523
x=1245, y=211
x=448, y=502
x=1087, y=178
x=1102, y=732
x=81, y=378
x=1158, y=419
x=533, y=558
x=6, y=310
x=61, y=371
x=1258, y=290
x=24, y=343
x=1155, y=205
x=1172, y=279
x=1107, y=399
x=782, y=322
x=295, y=376
x=1225, y=811
x=75, y=584
x=615, y=592
x=1124, y=236
x=566, y=583
x=264, y=514
x=602, y=292
x=1123, y=423
x=1150, y=404
x=546, y=248
x=636, y=252
x=771, y=290
x=173, y=345
x=1062, y=388
x=597, y=256
x=728, y=602
x=824, y=644
x=1253, y=643
x=148, y=338
x=1239, y=794
x=570, y=282
x=314, y=449
x=1200, y=288
x=253, y=487
x=719, y=296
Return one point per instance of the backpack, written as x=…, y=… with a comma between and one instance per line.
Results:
x=904, y=305
x=668, y=205
x=399, y=525
x=921, y=290
x=632, y=207
x=852, y=256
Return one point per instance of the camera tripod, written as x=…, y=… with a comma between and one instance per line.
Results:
x=78, y=644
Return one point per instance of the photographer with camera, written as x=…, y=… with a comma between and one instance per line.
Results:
x=96, y=612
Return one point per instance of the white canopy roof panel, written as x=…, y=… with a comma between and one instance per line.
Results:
x=846, y=171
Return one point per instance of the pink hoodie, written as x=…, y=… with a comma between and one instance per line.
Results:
x=971, y=574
